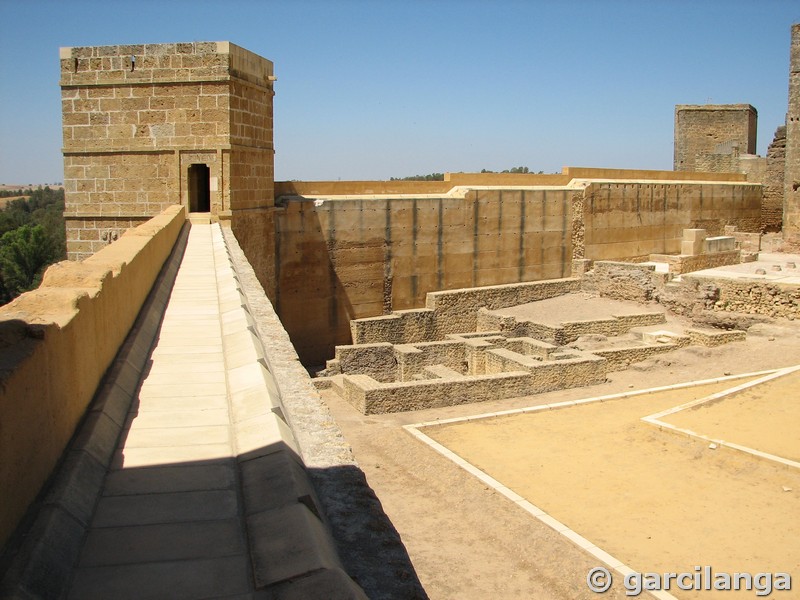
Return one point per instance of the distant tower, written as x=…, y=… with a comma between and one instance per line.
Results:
x=150, y=125
x=791, y=196
x=710, y=137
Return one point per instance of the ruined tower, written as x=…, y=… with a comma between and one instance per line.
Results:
x=150, y=125
x=711, y=137
x=791, y=196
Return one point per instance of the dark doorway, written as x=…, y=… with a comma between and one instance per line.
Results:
x=199, y=188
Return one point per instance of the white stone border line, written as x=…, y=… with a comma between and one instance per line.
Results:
x=655, y=419
x=541, y=515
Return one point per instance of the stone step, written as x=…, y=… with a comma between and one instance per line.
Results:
x=337, y=384
x=200, y=218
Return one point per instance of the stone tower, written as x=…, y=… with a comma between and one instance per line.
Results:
x=791, y=196
x=150, y=125
x=710, y=137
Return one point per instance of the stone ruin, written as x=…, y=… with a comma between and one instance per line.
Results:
x=469, y=346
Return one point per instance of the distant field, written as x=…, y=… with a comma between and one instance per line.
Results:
x=4, y=187
x=4, y=201
x=19, y=186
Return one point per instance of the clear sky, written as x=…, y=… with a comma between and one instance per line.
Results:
x=379, y=89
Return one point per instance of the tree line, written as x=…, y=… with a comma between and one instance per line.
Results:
x=440, y=176
x=32, y=237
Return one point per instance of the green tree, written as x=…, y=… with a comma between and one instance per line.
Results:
x=32, y=236
x=429, y=177
x=24, y=253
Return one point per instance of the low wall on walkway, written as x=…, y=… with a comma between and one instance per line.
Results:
x=56, y=343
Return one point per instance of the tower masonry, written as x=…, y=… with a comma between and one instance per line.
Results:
x=791, y=197
x=150, y=125
x=711, y=137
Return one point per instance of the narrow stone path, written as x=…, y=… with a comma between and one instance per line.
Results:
x=170, y=520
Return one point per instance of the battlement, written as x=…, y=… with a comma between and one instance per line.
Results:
x=162, y=63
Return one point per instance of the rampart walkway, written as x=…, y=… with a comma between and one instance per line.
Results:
x=170, y=521
x=206, y=494
x=206, y=465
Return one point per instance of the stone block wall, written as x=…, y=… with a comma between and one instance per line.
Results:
x=618, y=359
x=376, y=360
x=566, y=332
x=413, y=359
x=508, y=375
x=704, y=134
x=623, y=281
x=748, y=296
x=791, y=206
x=453, y=311
x=137, y=117
x=681, y=264
x=772, y=201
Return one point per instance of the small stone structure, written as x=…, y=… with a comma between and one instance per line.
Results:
x=488, y=354
x=769, y=287
x=699, y=251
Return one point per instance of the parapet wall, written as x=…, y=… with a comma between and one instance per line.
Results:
x=452, y=180
x=57, y=342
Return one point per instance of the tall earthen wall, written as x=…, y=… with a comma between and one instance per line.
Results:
x=710, y=137
x=135, y=120
x=342, y=259
x=630, y=221
x=350, y=258
x=791, y=200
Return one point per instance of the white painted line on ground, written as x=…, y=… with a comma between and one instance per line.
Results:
x=555, y=524
x=654, y=419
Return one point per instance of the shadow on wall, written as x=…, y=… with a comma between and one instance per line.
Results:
x=187, y=512
x=148, y=519
x=120, y=523
x=310, y=299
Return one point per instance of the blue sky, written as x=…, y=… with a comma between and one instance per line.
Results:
x=372, y=90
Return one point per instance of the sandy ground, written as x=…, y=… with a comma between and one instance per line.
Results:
x=657, y=501
x=469, y=542
x=578, y=307
x=765, y=418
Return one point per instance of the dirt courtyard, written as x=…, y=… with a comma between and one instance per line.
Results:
x=467, y=541
x=656, y=500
